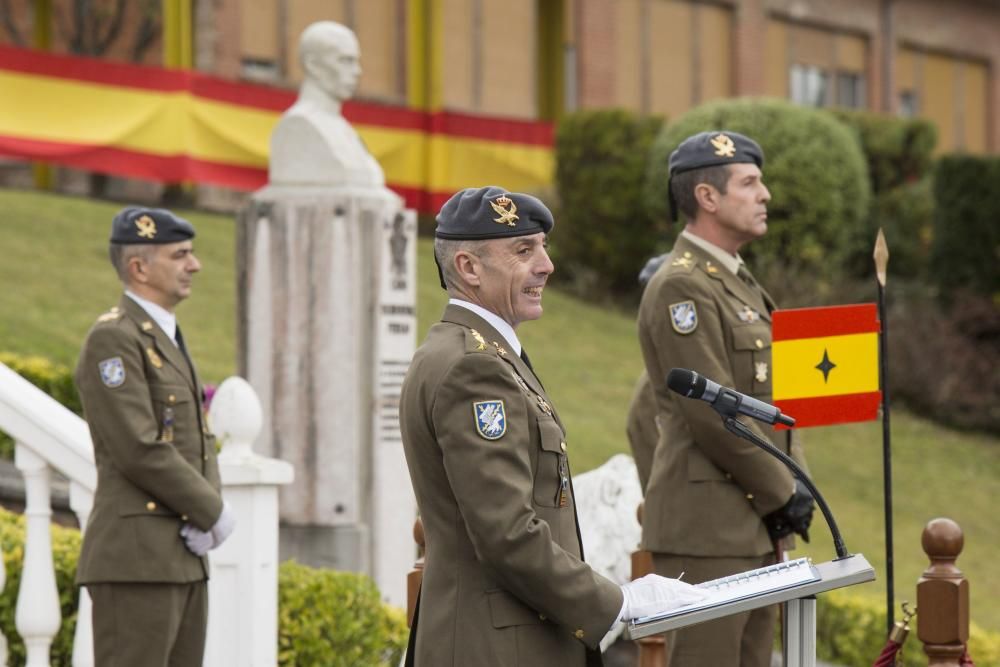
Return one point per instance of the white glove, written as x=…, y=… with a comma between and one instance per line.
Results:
x=199, y=542
x=654, y=594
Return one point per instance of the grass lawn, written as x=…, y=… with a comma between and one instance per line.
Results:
x=57, y=279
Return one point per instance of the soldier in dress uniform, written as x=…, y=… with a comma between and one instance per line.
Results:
x=715, y=504
x=504, y=582
x=158, y=507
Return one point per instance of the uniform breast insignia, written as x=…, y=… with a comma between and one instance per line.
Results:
x=491, y=420
x=147, y=326
x=760, y=371
x=711, y=268
x=748, y=315
x=507, y=215
x=147, y=228
x=479, y=339
x=544, y=406
x=112, y=372
x=520, y=382
x=500, y=349
x=167, y=434
x=683, y=317
x=724, y=146
x=154, y=358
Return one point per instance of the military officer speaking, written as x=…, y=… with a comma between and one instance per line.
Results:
x=504, y=582
x=715, y=504
x=157, y=508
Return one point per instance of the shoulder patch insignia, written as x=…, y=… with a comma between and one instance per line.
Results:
x=683, y=317
x=112, y=372
x=491, y=420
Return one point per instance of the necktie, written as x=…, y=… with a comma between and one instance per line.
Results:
x=180, y=343
x=744, y=275
x=527, y=362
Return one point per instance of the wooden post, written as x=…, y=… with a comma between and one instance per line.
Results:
x=652, y=649
x=943, y=596
x=416, y=575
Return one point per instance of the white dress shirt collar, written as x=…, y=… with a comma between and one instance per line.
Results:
x=166, y=320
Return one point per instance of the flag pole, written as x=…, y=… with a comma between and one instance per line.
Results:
x=881, y=256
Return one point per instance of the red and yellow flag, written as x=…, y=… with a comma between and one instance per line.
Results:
x=825, y=364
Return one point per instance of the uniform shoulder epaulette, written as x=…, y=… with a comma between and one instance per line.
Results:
x=682, y=263
x=110, y=316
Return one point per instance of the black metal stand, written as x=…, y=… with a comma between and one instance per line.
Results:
x=739, y=428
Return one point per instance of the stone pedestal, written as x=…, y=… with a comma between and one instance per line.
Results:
x=326, y=288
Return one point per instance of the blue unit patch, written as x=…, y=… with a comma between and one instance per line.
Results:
x=112, y=372
x=491, y=420
x=683, y=317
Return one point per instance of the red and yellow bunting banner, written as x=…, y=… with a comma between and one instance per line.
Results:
x=825, y=364
x=178, y=125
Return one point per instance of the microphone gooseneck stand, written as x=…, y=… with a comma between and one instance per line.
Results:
x=737, y=427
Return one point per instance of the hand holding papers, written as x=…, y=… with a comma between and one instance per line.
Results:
x=654, y=594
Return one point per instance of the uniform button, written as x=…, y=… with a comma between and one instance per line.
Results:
x=749, y=496
x=578, y=634
x=151, y=506
x=184, y=517
x=171, y=398
x=687, y=254
x=729, y=475
x=541, y=617
x=206, y=457
x=759, y=343
x=562, y=446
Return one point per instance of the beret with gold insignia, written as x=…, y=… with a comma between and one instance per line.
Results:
x=137, y=224
x=711, y=149
x=491, y=213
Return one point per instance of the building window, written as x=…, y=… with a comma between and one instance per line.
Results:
x=850, y=90
x=908, y=106
x=259, y=70
x=808, y=85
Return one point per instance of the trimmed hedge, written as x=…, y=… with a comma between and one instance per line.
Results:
x=604, y=234
x=897, y=150
x=55, y=380
x=966, y=247
x=813, y=167
x=324, y=617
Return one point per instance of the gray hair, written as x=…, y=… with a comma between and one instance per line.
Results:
x=682, y=187
x=445, y=251
x=122, y=253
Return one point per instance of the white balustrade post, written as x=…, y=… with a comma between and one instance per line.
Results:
x=243, y=585
x=37, y=615
x=81, y=501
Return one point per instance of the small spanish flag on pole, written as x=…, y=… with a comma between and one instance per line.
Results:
x=825, y=364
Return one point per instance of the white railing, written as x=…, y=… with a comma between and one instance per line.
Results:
x=243, y=620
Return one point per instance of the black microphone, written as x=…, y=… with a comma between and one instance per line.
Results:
x=727, y=402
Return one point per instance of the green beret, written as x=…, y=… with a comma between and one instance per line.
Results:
x=711, y=149
x=492, y=213
x=137, y=224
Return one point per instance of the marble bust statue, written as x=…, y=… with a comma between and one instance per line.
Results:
x=313, y=144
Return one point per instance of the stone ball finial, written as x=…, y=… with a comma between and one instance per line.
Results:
x=418, y=532
x=942, y=539
x=236, y=417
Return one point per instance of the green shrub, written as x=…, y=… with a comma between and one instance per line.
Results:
x=604, y=235
x=55, y=380
x=966, y=246
x=850, y=631
x=897, y=150
x=325, y=617
x=813, y=167
x=906, y=216
x=335, y=619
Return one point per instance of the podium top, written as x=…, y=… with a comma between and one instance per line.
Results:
x=758, y=588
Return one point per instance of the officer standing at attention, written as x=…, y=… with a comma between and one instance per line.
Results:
x=157, y=508
x=504, y=582
x=715, y=504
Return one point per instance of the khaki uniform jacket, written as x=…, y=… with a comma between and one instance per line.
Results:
x=504, y=582
x=156, y=463
x=709, y=489
x=640, y=426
